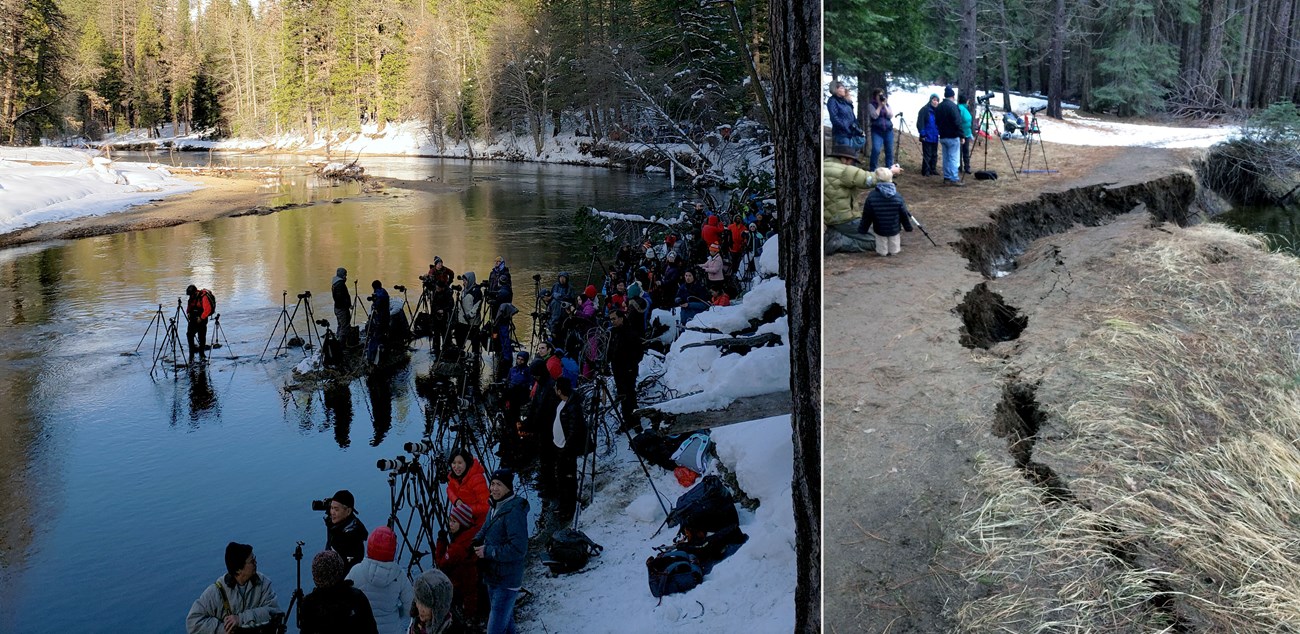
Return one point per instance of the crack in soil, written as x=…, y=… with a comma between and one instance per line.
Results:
x=987, y=319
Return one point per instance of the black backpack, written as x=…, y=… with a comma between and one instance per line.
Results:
x=714, y=547
x=986, y=175
x=569, y=550
x=672, y=572
x=707, y=507
x=655, y=449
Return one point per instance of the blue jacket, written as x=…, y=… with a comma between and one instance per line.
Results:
x=843, y=121
x=926, y=125
x=885, y=210
x=505, y=543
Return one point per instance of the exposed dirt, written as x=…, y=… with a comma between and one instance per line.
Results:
x=918, y=381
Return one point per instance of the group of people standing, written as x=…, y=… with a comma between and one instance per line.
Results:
x=360, y=587
x=941, y=124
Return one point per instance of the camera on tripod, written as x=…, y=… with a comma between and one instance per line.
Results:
x=537, y=277
x=304, y=295
x=1037, y=110
x=417, y=448
x=455, y=287
x=400, y=464
x=323, y=323
x=984, y=99
x=399, y=288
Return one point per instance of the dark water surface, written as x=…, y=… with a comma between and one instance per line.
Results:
x=118, y=492
x=1280, y=226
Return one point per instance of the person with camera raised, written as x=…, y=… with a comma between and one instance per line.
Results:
x=241, y=598
x=502, y=545
x=344, y=532
x=334, y=606
x=378, y=326
x=342, y=302
x=202, y=303
x=882, y=127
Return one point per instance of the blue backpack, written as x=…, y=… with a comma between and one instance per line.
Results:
x=672, y=572
x=569, y=368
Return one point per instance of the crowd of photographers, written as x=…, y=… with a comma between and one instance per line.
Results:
x=480, y=551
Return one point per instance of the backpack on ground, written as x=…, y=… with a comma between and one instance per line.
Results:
x=710, y=548
x=693, y=453
x=569, y=550
x=655, y=449
x=423, y=326
x=672, y=572
x=986, y=175
x=708, y=507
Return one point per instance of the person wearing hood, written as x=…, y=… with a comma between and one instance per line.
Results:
x=884, y=213
x=502, y=343
x=469, y=314
x=431, y=610
x=342, y=301
x=467, y=482
x=335, y=605
x=502, y=545
x=241, y=598
x=711, y=232
x=384, y=582
x=561, y=292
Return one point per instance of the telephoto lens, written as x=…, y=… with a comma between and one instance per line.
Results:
x=304, y=295
x=422, y=447
x=400, y=288
x=321, y=505
x=397, y=464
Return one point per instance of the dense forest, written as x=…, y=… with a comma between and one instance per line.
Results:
x=469, y=69
x=1187, y=58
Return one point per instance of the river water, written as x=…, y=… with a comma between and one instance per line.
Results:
x=119, y=492
x=1278, y=225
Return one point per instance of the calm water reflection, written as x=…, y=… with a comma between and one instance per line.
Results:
x=120, y=492
x=1279, y=225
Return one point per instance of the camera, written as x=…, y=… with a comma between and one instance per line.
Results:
x=1037, y=110
x=984, y=99
x=370, y=298
x=323, y=323
x=400, y=288
x=537, y=277
x=455, y=287
x=321, y=505
x=304, y=295
x=422, y=447
x=397, y=465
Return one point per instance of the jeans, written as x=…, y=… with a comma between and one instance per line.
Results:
x=881, y=140
x=501, y=616
x=951, y=157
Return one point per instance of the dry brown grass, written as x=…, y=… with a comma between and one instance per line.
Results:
x=1183, y=446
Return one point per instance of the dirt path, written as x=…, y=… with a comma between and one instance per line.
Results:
x=907, y=407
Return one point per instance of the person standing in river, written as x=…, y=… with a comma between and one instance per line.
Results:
x=201, y=305
x=342, y=301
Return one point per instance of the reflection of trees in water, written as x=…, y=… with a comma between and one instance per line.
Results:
x=1279, y=225
x=20, y=486
x=338, y=406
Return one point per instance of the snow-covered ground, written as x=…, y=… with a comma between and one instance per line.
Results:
x=42, y=184
x=753, y=590
x=1075, y=129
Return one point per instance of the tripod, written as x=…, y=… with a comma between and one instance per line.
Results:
x=989, y=125
x=283, y=625
x=217, y=333
x=170, y=338
x=540, y=326
x=304, y=298
x=1032, y=130
x=902, y=128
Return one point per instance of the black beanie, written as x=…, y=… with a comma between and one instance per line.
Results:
x=948, y=92
x=506, y=477
x=236, y=556
x=344, y=497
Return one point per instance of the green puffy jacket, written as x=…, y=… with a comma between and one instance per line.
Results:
x=840, y=186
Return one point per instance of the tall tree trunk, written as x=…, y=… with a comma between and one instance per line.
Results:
x=1211, y=46
x=1002, y=47
x=1281, y=33
x=796, y=80
x=966, y=54
x=742, y=44
x=1244, y=87
x=1057, y=72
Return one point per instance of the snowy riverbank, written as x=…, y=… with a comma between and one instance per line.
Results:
x=41, y=184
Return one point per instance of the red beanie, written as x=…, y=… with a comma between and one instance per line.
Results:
x=590, y=292
x=616, y=300
x=382, y=545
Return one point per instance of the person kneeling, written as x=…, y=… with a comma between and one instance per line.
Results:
x=885, y=212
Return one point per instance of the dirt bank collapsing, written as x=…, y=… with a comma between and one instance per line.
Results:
x=992, y=248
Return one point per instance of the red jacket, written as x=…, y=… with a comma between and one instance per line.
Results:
x=737, y=237
x=473, y=489
x=722, y=300
x=711, y=230
x=555, y=366
x=458, y=561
